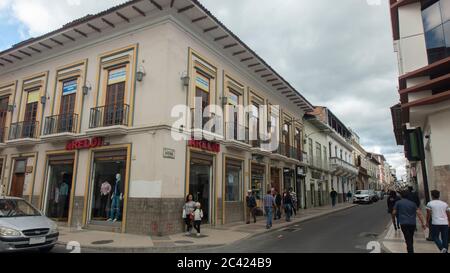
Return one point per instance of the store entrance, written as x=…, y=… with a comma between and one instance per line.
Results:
x=59, y=187
x=18, y=179
x=200, y=179
x=275, y=181
x=107, y=190
x=288, y=176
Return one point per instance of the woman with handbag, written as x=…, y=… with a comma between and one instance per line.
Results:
x=188, y=213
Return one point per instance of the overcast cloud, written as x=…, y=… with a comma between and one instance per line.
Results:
x=336, y=53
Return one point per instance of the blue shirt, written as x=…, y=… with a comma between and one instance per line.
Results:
x=406, y=211
x=269, y=201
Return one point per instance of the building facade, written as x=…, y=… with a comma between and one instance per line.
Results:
x=342, y=171
x=421, y=33
x=100, y=125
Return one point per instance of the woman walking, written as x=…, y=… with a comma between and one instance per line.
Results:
x=188, y=213
x=393, y=198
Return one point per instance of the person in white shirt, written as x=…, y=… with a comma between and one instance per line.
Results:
x=439, y=213
x=198, y=216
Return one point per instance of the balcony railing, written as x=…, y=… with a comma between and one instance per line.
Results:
x=109, y=115
x=237, y=132
x=3, y=131
x=65, y=123
x=25, y=129
x=337, y=163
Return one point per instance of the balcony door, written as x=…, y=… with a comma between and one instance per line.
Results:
x=31, y=108
x=298, y=143
x=114, y=104
x=67, y=106
x=3, y=114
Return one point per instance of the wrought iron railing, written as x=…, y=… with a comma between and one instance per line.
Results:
x=109, y=115
x=24, y=129
x=64, y=123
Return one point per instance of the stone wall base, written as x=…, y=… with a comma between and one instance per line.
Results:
x=442, y=181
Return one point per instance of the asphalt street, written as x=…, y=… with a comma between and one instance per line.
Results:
x=348, y=231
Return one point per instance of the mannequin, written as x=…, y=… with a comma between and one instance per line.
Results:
x=105, y=192
x=116, y=199
x=63, y=193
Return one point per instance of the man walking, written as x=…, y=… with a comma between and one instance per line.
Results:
x=333, y=196
x=269, y=203
x=294, y=201
x=251, y=206
x=407, y=212
x=439, y=214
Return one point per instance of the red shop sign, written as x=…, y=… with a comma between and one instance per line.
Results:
x=85, y=144
x=204, y=145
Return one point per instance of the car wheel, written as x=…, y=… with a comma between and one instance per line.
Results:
x=46, y=249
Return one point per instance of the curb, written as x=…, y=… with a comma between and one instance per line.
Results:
x=383, y=247
x=144, y=249
x=201, y=247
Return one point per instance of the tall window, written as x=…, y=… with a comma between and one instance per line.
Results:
x=325, y=156
x=3, y=114
x=298, y=142
x=318, y=155
x=115, y=97
x=233, y=181
x=436, y=23
x=311, y=155
x=202, y=92
x=254, y=122
x=233, y=102
x=286, y=137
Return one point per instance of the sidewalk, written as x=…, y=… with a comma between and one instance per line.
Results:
x=211, y=236
x=394, y=241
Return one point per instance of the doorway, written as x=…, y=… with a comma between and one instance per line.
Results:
x=59, y=187
x=313, y=195
x=200, y=178
x=275, y=181
x=18, y=179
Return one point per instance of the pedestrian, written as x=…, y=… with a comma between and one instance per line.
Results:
x=349, y=196
x=278, y=200
x=407, y=212
x=198, y=216
x=333, y=195
x=251, y=206
x=439, y=214
x=393, y=198
x=287, y=202
x=413, y=196
x=294, y=201
x=188, y=215
x=269, y=202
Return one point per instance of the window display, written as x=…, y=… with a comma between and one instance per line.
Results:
x=59, y=189
x=108, y=186
x=257, y=182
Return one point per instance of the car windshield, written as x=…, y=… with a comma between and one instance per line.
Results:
x=16, y=208
x=362, y=192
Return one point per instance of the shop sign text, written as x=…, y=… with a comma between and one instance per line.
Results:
x=85, y=144
x=204, y=145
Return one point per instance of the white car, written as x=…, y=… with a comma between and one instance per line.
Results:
x=362, y=196
x=23, y=227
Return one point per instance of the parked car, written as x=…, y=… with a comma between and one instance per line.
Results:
x=23, y=227
x=362, y=196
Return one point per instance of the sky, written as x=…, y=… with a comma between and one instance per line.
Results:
x=338, y=54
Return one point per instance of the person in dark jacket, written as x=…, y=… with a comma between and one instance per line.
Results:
x=413, y=196
x=393, y=198
x=251, y=206
x=333, y=195
x=288, y=203
x=278, y=200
